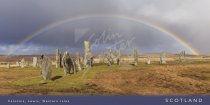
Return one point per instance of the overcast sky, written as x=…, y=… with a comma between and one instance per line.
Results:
x=190, y=19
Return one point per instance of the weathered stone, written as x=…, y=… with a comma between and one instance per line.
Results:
x=22, y=63
x=148, y=61
x=45, y=65
x=118, y=57
x=78, y=66
x=182, y=56
x=35, y=62
x=162, y=59
x=87, y=55
x=78, y=62
x=8, y=65
x=58, y=58
x=78, y=57
x=110, y=57
x=136, y=57
x=18, y=64
x=68, y=64
x=91, y=61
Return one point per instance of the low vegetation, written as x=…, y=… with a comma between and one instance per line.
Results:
x=171, y=79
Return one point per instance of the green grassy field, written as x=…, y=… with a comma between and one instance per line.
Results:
x=171, y=79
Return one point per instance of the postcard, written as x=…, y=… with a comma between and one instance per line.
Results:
x=104, y=52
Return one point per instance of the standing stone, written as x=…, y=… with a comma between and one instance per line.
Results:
x=101, y=59
x=91, y=61
x=118, y=57
x=182, y=56
x=68, y=64
x=162, y=59
x=58, y=59
x=148, y=61
x=87, y=55
x=22, y=63
x=18, y=64
x=110, y=57
x=45, y=65
x=8, y=65
x=78, y=57
x=35, y=62
x=135, y=57
x=78, y=62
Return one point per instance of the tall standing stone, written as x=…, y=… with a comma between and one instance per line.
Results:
x=87, y=54
x=18, y=64
x=68, y=64
x=182, y=55
x=148, y=61
x=78, y=62
x=45, y=65
x=118, y=57
x=110, y=57
x=8, y=65
x=35, y=62
x=78, y=57
x=136, y=57
x=162, y=58
x=58, y=59
x=22, y=63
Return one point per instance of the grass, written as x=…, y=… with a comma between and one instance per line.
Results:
x=28, y=81
x=174, y=78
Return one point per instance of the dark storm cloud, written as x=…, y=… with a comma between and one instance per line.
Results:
x=20, y=18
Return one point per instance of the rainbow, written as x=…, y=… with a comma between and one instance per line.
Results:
x=130, y=18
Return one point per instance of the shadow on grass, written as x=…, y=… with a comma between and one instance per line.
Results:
x=56, y=77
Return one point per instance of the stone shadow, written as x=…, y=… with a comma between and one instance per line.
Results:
x=56, y=77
